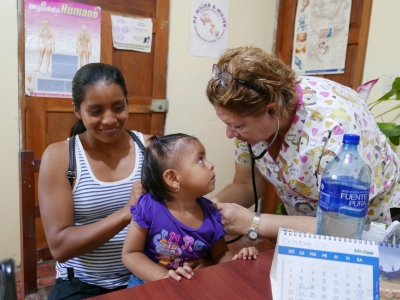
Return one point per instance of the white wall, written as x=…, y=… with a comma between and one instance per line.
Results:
x=383, y=53
x=251, y=22
x=9, y=132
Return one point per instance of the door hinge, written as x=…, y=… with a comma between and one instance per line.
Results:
x=159, y=105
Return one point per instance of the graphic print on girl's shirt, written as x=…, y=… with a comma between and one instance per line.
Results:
x=169, y=242
x=170, y=247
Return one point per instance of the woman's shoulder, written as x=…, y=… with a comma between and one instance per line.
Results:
x=57, y=151
x=55, y=160
x=310, y=82
x=145, y=136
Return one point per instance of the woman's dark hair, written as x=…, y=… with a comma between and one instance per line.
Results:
x=162, y=154
x=88, y=76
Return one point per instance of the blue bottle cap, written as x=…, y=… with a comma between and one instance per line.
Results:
x=351, y=139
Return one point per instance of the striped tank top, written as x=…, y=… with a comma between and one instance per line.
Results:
x=93, y=201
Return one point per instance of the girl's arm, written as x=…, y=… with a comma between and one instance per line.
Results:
x=57, y=210
x=220, y=253
x=140, y=265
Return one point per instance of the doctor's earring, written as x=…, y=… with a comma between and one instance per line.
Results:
x=178, y=188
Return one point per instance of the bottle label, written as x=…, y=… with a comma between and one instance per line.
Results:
x=348, y=199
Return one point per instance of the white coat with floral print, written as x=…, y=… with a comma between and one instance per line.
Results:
x=326, y=111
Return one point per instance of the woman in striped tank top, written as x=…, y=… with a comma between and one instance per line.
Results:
x=86, y=223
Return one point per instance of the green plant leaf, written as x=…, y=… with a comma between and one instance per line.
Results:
x=389, y=129
x=395, y=90
x=395, y=140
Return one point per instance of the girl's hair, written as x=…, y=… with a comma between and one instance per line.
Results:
x=90, y=75
x=162, y=154
x=253, y=65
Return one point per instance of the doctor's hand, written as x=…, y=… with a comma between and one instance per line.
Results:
x=236, y=219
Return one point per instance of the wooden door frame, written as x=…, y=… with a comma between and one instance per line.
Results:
x=286, y=7
x=21, y=72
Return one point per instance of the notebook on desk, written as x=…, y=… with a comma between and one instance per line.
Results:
x=308, y=266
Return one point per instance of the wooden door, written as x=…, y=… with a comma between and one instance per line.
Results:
x=47, y=120
x=355, y=56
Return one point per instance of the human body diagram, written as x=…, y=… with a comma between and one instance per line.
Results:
x=84, y=46
x=46, y=45
x=322, y=24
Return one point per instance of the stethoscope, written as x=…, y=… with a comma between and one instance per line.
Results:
x=253, y=159
x=269, y=144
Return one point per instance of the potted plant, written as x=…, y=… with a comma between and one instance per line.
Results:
x=391, y=130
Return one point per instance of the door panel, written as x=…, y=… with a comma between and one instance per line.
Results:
x=47, y=120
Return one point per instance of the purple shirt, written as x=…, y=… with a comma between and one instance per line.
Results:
x=169, y=242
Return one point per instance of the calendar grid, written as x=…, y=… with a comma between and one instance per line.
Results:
x=321, y=267
x=361, y=290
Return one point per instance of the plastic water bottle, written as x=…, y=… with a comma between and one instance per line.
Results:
x=344, y=194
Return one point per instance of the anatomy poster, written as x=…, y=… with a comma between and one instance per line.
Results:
x=60, y=37
x=320, y=36
x=131, y=33
x=209, y=27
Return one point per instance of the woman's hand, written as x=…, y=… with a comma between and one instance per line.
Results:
x=198, y=263
x=235, y=218
x=137, y=191
x=181, y=272
x=247, y=253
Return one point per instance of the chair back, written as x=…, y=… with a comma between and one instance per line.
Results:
x=29, y=215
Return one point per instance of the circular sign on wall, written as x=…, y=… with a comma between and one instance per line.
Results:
x=210, y=23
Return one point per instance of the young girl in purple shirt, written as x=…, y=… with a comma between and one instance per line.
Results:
x=173, y=223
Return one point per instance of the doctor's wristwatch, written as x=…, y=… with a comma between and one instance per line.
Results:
x=252, y=233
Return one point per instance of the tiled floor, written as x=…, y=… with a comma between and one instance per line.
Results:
x=45, y=279
x=44, y=292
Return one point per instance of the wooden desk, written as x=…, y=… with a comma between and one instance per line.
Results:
x=232, y=280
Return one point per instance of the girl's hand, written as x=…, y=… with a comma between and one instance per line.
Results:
x=247, y=253
x=181, y=272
